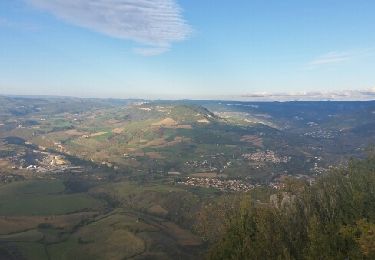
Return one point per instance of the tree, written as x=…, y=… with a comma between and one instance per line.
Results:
x=332, y=219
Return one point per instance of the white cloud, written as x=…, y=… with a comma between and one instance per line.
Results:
x=332, y=57
x=337, y=57
x=366, y=94
x=155, y=24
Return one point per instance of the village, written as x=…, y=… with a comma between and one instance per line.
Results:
x=42, y=162
x=267, y=156
x=322, y=134
x=220, y=184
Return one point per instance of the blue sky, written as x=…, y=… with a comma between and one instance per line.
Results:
x=185, y=48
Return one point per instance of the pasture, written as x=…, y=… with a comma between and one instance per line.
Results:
x=42, y=198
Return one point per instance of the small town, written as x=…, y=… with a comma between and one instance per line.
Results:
x=42, y=162
x=222, y=185
x=267, y=156
x=322, y=134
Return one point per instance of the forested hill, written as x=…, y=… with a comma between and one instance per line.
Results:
x=332, y=219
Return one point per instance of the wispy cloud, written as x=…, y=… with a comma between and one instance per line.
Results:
x=150, y=51
x=339, y=57
x=155, y=24
x=366, y=94
x=332, y=57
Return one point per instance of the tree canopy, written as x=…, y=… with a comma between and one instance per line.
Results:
x=331, y=219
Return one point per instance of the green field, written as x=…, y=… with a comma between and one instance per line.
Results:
x=104, y=239
x=29, y=198
x=139, y=226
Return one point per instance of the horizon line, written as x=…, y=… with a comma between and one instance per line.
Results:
x=242, y=99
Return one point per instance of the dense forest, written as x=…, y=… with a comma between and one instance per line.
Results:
x=333, y=218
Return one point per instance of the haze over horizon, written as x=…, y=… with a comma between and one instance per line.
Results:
x=247, y=50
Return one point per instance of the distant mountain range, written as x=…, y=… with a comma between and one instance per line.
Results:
x=339, y=95
x=344, y=95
